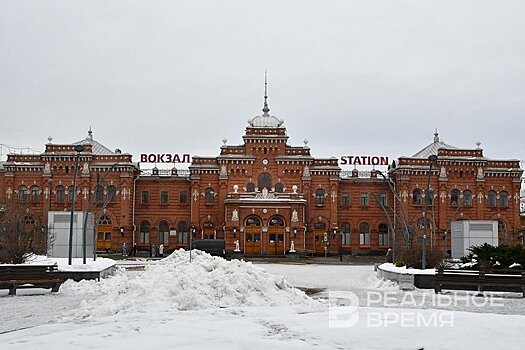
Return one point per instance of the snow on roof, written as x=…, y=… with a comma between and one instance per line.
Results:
x=97, y=147
x=432, y=149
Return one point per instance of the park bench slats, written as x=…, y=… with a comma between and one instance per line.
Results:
x=15, y=277
x=479, y=280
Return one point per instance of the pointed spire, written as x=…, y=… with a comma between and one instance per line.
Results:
x=265, y=108
x=90, y=133
x=436, y=136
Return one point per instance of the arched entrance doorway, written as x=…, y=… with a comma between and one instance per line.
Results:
x=320, y=238
x=252, y=235
x=276, y=236
x=104, y=228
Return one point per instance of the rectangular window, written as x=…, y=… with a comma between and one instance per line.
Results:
x=183, y=197
x=164, y=237
x=164, y=197
x=364, y=238
x=144, y=237
x=383, y=238
x=345, y=238
x=345, y=199
x=145, y=198
x=383, y=199
x=183, y=237
x=364, y=199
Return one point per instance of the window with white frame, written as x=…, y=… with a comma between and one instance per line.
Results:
x=383, y=199
x=183, y=232
x=364, y=233
x=346, y=234
x=365, y=199
x=383, y=234
x=145, y=227
x=164, y=232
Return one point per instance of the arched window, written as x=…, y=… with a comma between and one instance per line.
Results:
x=364, y=233
x=279, y=187
x=454, y=198
x=164, y=232
x=250, y=187
x=71, y=196
x=346, y=234
x=253, y=220
x=209, y=195
x=430, y=197
x=99, y=194
x=35, y=194
x=183, y=232
x=491, y=198
x=104, y=220
x=112, y=194
x=265, y=180
x=276, y=221
x=382, y=230
x=319, y=196
x=503, y=199
x=22, y=194
x=416, y=197
x=144, y=231
x=467, y=198
x=60, y=192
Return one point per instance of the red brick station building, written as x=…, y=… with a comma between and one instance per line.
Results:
x=264, y=194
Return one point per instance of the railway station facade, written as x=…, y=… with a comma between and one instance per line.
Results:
x=265, y=197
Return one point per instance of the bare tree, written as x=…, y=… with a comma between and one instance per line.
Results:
x=20, y=232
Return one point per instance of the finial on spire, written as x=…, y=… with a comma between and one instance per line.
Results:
x=436, y=136
x=90, y=133
x=265, y=108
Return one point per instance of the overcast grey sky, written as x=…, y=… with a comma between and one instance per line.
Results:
x=353, y=77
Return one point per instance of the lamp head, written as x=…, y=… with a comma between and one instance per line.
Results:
x=79, y=148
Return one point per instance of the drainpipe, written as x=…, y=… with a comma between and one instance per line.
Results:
x=133, y=211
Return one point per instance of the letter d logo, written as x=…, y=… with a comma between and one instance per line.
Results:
x=343, y=309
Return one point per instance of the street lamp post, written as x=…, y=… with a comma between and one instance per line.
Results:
x=48, y=209
x=431, y=159
x=78, y=149
x=192, y=232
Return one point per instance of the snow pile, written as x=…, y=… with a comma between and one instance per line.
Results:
x=175, y=283
x=76, y=264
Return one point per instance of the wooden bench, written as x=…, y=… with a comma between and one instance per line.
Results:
x=23, y=276
x=502, y=281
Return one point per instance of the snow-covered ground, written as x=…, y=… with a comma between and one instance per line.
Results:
x=216, y=304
